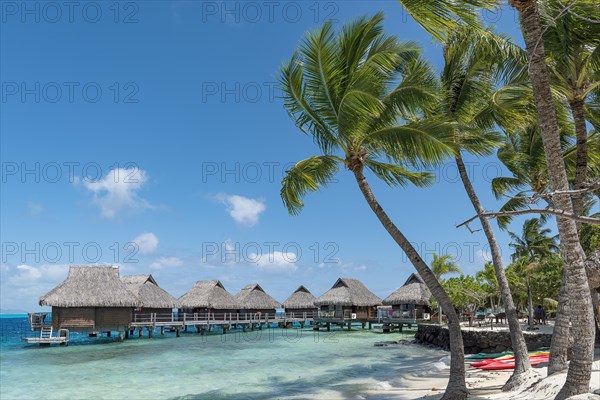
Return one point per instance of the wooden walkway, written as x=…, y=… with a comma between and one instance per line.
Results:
x=205, y=322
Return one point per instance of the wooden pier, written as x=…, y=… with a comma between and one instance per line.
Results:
x=206, y=322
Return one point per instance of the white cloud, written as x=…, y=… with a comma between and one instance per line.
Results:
x=344, y=266
x=243, y=210
x=118, y=190
x=166, y=262
x=146, y=242
x=21, y=286
x=275, y=262
x=34, y=208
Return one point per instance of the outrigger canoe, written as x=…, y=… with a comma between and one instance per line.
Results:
x=510, y=364
x=507, y=357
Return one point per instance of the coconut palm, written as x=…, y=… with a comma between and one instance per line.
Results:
x=440, y=266
x=338, y=89
x=487, y=278
x=438, y=17
x=582, y=316
x=530, y=248
x=476, y=63
x=574, y=59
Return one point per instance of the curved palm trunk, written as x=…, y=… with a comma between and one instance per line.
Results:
x=456, y=388
x=582, y=316
x=522, y=363
x=561, y=335
x=581, y=163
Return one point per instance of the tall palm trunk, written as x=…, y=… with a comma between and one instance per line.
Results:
x=457, y=388
x=529, y=305
x=561, y=336
x=522, y=363
x=581, y=163
x=582, y=317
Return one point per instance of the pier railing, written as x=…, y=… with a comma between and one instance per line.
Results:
x=217, y=318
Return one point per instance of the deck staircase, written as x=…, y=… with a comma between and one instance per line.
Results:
x=46, y=332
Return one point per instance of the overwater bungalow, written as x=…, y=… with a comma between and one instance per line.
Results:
x=252, y=299
x=208, y=297
x=411, y=300
x=153, y=299
x=348, y=299
x=92, y=299
x=301, y=302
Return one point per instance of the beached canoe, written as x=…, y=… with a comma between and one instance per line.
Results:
x=510, y=364
x=480, y=356
x=532, y=354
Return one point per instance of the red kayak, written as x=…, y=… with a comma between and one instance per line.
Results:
x=510, y=364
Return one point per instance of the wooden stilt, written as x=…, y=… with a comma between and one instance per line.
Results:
x=121, y=336
x=127, y=334
x=370, y=325
x=162, y=331
x=140, y=331
x=328, y=327
x=150, y=331
x=177, y=332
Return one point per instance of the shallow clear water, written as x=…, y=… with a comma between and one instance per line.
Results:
x=271, y=363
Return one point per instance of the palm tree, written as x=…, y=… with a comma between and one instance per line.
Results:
x=531, y=247
x=474, y=63
x=440, y=266
x=336, y=89
x=487, y=278
x=582, y=316
x=440, y=16
x=574, y=60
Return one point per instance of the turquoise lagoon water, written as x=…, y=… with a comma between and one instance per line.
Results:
x=271, y=363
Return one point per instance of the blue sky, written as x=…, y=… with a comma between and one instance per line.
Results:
x=158, y=123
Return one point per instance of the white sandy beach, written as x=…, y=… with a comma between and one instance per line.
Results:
x=484, y=385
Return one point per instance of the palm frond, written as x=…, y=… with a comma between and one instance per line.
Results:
x=307, y=176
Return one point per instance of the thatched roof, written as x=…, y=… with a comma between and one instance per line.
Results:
x=414, y=291
x=301, y=298
x=348, y=292
x=91, y=286
x=208, y=294
x=147, y=290
x=253, y=297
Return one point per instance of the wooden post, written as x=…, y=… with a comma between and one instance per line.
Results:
x=363, y=325
x=349, y=326
x=150, y=330
x=108, y=334
x=210, y=328
x=127, y=334
x=177, y=332
x=244, y=328
x=400, y=325
x=328, y=326
x=370, y=325
x=121, y=336
x=162, y=331
x=140, y=331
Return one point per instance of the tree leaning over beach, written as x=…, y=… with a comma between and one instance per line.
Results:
x=476, y=63
x=438, y=17
x=337, y=90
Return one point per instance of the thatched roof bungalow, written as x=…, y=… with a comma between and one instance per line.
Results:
x=208, y=296
x=411, y=299
x=301, y=301
x=253, y=299
x=346, y=297
x=91, y=299
x=152, y=297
